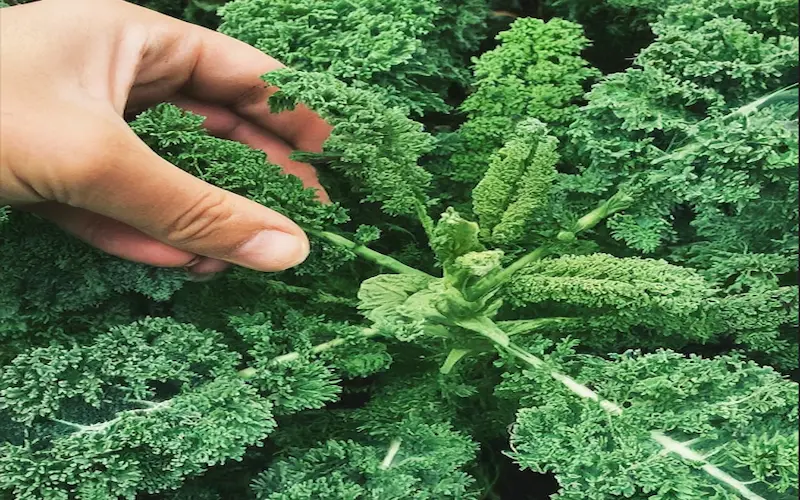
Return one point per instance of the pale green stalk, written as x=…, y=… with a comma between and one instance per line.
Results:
x=250, y=372
x=244, y=374
x=394, y=447
x=489, y=283
x=369, y=254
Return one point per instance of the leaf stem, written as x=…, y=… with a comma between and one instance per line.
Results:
x=102, y=426
x=394, y=447
x=690, y=146
x=486, y=285
x=369, y=254
x=618, y=202
x=526, y=326
x=453, y=357
x=669, y=444
x=250, y=372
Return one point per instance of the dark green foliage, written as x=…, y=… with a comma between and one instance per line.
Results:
x=657, y=211
x=763, y=322
x=408, y=54
x=746, y=230
x=426, y=464
x=618, y=29
x=682, y=121
x=194, y=492
x=376, y=148
x=110, y=418
x=536, y=71
x=302, y=379
x=739, y=416
x=55, y=286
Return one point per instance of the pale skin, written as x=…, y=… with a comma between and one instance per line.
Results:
x=72, y=70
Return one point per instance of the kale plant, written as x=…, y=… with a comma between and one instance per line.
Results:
x=409, y=54
x=589, y=289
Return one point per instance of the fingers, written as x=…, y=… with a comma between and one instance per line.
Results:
x=126, y=181
x=228, y=72
x=219, y=77
x=112, y=236
x=123, y=241
x=213, y=68
x=207, y=267
x=221, y=122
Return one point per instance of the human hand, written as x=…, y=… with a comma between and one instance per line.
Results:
x=71, y=71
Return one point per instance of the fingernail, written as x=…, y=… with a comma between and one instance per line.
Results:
x=273, y=251
x=196, y=259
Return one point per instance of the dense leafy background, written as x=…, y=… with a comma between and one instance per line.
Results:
x=122, y=381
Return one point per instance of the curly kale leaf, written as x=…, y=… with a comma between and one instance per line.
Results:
x=147, y=354
x=740, y=416
x=423, y=461
x=375, y=147
x=516, y=187
x=764, y=323
x=56, y=287
x=618, y=301
x=408, y=54
x=724, y=53
x=681, y=127
x=138, y=410
x=741, y=193
x=619, y=29
x=536, y=71
x=306, y=376
x=773, y=18
x=149, y=450
x=179, y=137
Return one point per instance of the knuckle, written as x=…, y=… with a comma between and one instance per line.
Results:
x=200, y=221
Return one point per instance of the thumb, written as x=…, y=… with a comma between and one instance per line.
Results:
x=126, y=181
